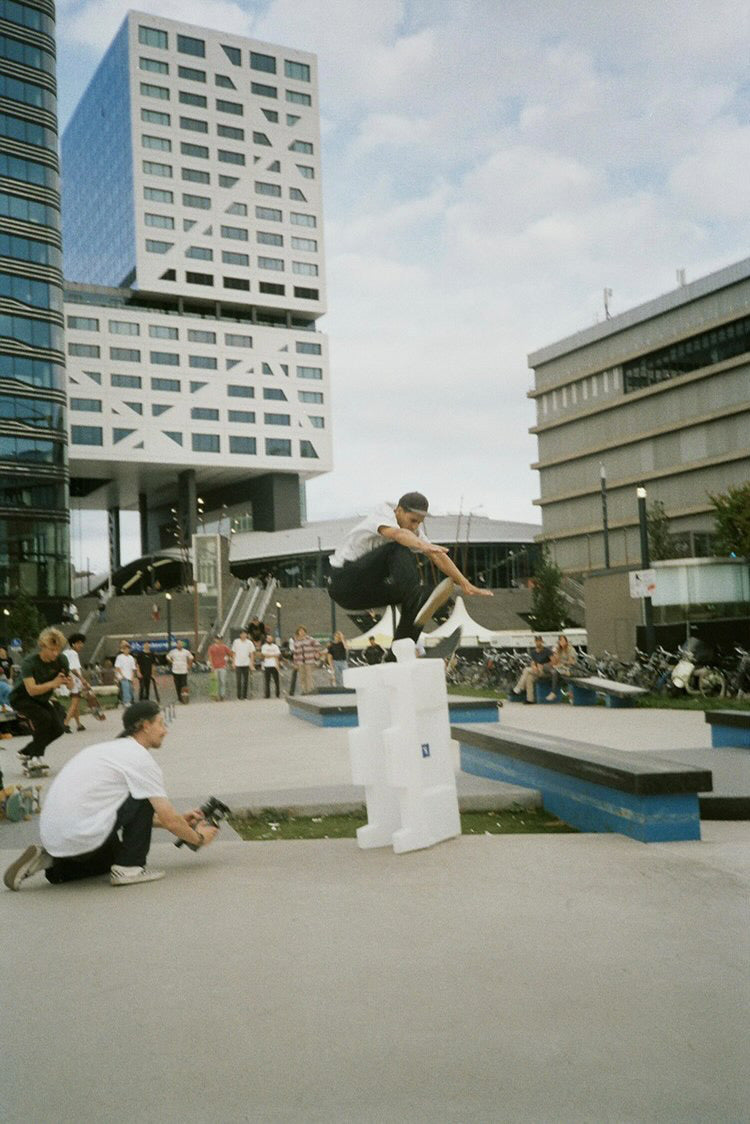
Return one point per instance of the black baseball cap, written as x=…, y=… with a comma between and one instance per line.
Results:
x=415, y=502
x=138, y=713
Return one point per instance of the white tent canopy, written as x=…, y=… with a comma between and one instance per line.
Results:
x=459, y=618
x=382, y=630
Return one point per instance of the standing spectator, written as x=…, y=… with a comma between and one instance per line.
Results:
x=6, y=663
x=101, y=606
x=218, y=654
x=73, y=656
x=5, y=689
x=306, y=653
x=256, y=632
x=146, y=661
x=338, y=658
x=373, y=652
x=271, y=656
x=126, y=673
x=243, y=658
x=41, y=674
x=180, y=660
x=155, y=612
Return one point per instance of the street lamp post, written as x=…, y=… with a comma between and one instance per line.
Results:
x=278, y=619
x=168, y=598
x=605, y=521
x=648, y=609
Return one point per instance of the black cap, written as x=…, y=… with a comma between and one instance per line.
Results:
x=414, y=502
x=138, y=713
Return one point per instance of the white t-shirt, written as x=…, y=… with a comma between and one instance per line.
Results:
x=81, y=806
x=179, y=661
x=125, y=664
x=241, y=650
x=74, y=664
x=364, y=537
x=270, y=654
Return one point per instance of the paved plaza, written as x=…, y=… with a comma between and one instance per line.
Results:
x=492, y=978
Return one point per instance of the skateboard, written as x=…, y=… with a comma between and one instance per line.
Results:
x=35, y=767
x=20, y=803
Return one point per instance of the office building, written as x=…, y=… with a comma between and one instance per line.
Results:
x=34, y=539
x=194, y=271
x=657, y=397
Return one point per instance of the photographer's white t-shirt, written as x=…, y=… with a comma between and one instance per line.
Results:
x=81, y=806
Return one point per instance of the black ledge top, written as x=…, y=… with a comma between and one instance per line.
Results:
x=642, y=774
x=345, y=703
x=740, y=718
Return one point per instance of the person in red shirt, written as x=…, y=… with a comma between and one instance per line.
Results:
x=218, y=654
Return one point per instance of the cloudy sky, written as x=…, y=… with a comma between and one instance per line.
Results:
x=489, y=167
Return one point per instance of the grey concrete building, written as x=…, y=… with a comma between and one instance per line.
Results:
x=658, y=397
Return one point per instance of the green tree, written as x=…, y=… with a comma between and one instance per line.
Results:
x=732, y=520
x=548, y=606
x=661, y=543
x=25, y=620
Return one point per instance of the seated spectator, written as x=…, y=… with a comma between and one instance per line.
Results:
x=563, y=664
x=539, y=668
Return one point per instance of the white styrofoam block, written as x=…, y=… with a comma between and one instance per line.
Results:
x=368, y=759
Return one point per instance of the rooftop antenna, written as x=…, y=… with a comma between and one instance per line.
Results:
x=607, y=299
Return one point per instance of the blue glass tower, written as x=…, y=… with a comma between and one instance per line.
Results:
x=34, y=518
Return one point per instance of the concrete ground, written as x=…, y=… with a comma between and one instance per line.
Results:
x=511, y=978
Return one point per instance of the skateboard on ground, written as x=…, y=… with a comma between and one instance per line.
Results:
x=34, y=767
x=19, y=802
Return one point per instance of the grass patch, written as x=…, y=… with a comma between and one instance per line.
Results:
x=691, y=702
x=476, y=692
x=274, y=823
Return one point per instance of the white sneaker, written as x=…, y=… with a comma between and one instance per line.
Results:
x=129, y=875
x=33, y=859
x=440, y=594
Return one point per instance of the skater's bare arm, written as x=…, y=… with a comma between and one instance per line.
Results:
x=33, y=688
x=167, y=816
x=407, y=538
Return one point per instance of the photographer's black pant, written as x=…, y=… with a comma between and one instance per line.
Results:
x=47, y=720
x=270, y=673
x=243, y=676
x=135, y=819
x=387, y=575
x=180, y=683
x=147, y=682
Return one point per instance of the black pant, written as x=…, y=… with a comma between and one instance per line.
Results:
x=243, y=679
x=146, y=684
x=180, y=684
x=270, y=673
x=387, y=575
x=135, y=818
x=48, y=722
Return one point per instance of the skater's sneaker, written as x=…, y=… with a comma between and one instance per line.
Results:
x=129, y=875
x=440, y=594
x=33, y=859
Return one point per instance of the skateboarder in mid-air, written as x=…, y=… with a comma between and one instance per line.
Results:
x=376, y=565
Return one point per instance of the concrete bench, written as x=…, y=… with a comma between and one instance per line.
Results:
x=615, y=694
x=729, y=728
x=341, y=709
x=591, y=787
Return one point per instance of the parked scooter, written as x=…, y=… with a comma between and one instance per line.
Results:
x=693, y=672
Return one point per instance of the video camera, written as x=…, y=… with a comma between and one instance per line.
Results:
x=213, y=812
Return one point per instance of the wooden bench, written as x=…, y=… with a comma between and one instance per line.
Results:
x=729, y=728
x=593, y=788
x=340, y=709
x=615, y=694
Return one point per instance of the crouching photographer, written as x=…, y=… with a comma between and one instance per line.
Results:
x=101, y=808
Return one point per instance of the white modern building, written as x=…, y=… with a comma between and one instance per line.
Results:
x=192, y=227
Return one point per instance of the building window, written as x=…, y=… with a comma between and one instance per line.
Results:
x=176, y=437
x=309, y=372
x=152, y=37
x=306, y=294
x=237, y=283
x=317, y=422
x=153, y=246
x=267, y=239
x=200, y=252
x=191, y=74
x=231, y=132
x=230, y=258
x=278, y=447
x=153, y=117
x=194, y=124
x=186, y=97
x=133, y=382
x=206, y=443
x=301, y=146
x=204, y=413
x=262, y=188
x=149, y=90
x=164, y=358
x=90, y=405
x=247, y=417
x=193, y=175
x=263, y=91
x=151, y=168
x=261, y=138
x=277, y=419
x=125, y=354
x=204, y=362
x=310, y=396
x=271, y=289
x=229, y=107
x=298, y=70
x=120, y=435
x=160, y=143
x=124, y=328
x=171, y=385
x=162, y=332
x=273, y=393
x=87, y=435
x=270, y=115
x=224, y=81
x=234, y=391
x=236, y=209
x=298, y=219
x=306, y=171
x=159, y=408
x=233, y=340
x=271, y=263
x=197, y=335
x=297, y=98
x=85, y=350
x=187, y=45
x=155, y=66
x=308, y=269
x=310, y=244
x=305, y=348
x=189, y=149
x=158, y=195
x=227, y=157
x=270, y=214
x=238, y=233
x=83, y=323
x=307, y=449
x=262, y=62
x=246, y=445
x=297, y=195
x=202, y=202
x=234, y=54
x=228, y=181
x=166, y=222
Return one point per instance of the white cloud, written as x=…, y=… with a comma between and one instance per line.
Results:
x=93, y=23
